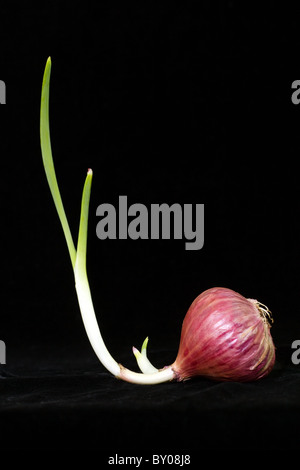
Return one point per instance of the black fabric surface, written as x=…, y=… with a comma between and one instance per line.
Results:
x=62, y=407
x=166, y=103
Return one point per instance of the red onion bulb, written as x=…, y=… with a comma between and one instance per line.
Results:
x=225, y=337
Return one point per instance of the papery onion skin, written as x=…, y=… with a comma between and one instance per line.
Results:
x=224, y=337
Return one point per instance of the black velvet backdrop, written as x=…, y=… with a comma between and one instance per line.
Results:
x=169, y=103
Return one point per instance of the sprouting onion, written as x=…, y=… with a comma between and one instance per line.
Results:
x=224, y=335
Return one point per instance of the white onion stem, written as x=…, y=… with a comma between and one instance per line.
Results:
x=87, y=308
x=83, y=288
x=164, y=375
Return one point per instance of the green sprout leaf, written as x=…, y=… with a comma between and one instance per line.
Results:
x=48, y=161
x=80, y=264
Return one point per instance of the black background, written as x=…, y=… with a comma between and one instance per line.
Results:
x=166, y=103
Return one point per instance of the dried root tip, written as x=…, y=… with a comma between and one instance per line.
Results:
x=265, y=312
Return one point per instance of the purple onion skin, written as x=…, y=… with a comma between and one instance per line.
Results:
x=224, y=337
